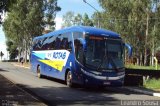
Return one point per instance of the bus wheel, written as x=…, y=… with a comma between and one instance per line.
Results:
x=39, y=72
x=69, y=79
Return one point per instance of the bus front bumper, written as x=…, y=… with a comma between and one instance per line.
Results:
x=91, y=79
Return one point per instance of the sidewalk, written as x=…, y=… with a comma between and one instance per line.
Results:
x=11, y=95
x=143, y=91
x=25, y=65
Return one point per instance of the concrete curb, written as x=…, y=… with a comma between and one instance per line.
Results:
x=139, y=90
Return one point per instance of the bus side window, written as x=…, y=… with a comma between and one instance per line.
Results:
x=51, y=43
x=66, y=41
x=69, y=42
x=78, y=51
x=38, y=44
x=58, y=42
x=34, y=44
x=44, y=44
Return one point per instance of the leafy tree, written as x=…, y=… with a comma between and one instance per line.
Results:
x=78, y=19
x=51, y=8
x=4, y=6
x=68, y=19
x=12, y=50
x=27, y=19
x=87, y=21
x=134, y=20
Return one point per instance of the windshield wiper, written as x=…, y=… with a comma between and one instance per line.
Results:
x=113, y=64
x=104, y=57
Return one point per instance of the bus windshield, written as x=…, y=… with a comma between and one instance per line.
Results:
x=103, y=54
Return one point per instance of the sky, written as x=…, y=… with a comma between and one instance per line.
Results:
x=76, y=6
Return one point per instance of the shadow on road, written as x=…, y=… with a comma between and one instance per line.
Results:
x=3, y=70
x=118, y=90
x=11, y=95
x=75, y=96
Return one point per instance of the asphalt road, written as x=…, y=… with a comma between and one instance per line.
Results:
x=55, y=92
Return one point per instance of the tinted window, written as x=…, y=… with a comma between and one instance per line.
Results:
x=45, y=44
x=66, y=41
x=78, y=46
x=37, y=45
x=77, y=35
x=55, y=42
x=51, y=42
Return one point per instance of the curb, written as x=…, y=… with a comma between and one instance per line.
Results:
x=138, y=90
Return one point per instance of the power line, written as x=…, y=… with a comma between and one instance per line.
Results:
x=127, y=19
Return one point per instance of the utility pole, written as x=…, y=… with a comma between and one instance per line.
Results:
x=95, y=10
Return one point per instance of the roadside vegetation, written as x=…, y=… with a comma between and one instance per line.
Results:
x=132, y=66
x=153, y=84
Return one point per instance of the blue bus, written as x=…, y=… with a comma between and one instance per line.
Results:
x=80, y=55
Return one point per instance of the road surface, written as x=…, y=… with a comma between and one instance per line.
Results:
x=55, y=92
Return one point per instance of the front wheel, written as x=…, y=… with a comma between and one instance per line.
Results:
x=69, y=79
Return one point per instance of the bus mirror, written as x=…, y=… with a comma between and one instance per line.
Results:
x=82, y=42
x=129, y=49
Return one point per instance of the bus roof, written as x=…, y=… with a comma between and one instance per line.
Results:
x=83, y=29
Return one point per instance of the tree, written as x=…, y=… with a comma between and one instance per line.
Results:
x=4, y=6
x=68, y=19
x=51, y=8
x=133, y=19
x=87, y=21
x=27, y=19
x=78, y=19
x=12, y=48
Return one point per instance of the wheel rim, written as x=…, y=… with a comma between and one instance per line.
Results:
x=69, y=78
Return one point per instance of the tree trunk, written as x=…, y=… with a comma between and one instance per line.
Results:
x=19, y=54
x=25, y=52
x=153, y=52
x=146, y=40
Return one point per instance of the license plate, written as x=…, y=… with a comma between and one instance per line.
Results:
x=106, y=83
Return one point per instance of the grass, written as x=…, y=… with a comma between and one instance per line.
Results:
x=142, y=67
x=153, y=84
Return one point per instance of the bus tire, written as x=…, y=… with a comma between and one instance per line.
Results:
x=39, y=72
x=69, y=79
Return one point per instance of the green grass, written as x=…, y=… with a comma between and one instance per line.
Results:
x=141, y=67
x=153, y=84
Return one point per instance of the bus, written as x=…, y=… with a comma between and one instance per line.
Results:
x=80, y=55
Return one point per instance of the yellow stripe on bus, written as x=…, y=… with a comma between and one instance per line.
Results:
x=57, y=64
